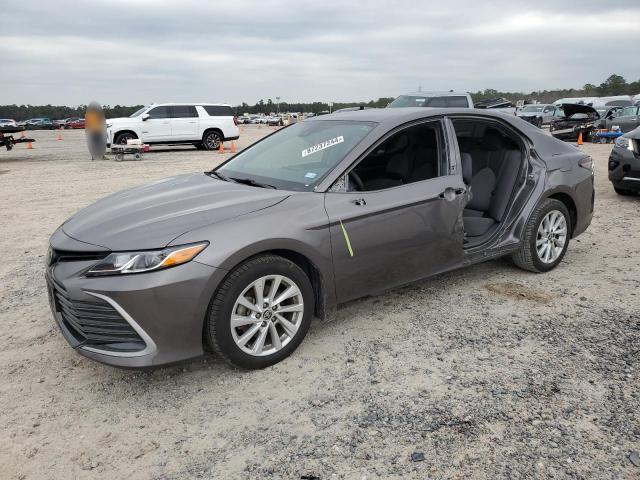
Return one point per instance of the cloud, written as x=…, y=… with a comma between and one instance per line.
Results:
x=130, y=52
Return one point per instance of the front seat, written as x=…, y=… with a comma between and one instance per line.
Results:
x=482, y=184
x=398, y=168
x=397, y=172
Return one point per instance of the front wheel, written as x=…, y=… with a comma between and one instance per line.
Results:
x=546, y=237
x=122, y=138
x=260, y=313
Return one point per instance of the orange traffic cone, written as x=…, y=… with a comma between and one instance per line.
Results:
x=59, y=134
x=580, y=138
x=29, y=145
x=221, y=148
x=233, y=147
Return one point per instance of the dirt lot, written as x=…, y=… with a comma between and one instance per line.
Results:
x=488, y=372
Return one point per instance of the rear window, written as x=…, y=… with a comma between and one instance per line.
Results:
x=448, y=101
x=218, y=110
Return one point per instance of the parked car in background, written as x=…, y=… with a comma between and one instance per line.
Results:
x=40, y=124
x=627, y=118
x=433, y=99
x=75, y=123
x=624, y=163
x=538, y=114
x=242, y=257
x=577, y=119
x=9, y=125
x=275, y=121
x=500, y=104
x=606, y=113
x=204, y=125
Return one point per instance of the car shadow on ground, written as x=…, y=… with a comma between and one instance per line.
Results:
x=218, y=368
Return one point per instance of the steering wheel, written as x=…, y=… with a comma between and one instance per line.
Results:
x=357, y=180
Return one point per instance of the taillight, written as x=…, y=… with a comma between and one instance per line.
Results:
x=586, y=162
x=235, y=120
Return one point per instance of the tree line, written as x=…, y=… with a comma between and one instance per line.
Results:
x=613, y=85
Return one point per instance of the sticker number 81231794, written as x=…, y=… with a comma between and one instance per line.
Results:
x=322, y=146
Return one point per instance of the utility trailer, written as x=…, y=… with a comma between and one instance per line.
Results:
x=8, y=141
x=133, y=147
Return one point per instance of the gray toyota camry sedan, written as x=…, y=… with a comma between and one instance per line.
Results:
x=241, y=258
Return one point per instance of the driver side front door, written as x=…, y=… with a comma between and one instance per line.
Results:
x=389, y=237
x=157, y=126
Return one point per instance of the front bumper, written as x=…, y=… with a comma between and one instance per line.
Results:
x=164, y=310
x=624, y=168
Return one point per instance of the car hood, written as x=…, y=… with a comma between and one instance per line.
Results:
x=573, y=108
x=152, y=215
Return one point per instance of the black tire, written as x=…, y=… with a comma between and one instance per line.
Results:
x=121, y=138
x=623, y=191
x=539, y=122
x=527, y=257
x=217, y=325
x=211, y=140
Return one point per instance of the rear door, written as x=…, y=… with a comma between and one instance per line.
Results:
x=184, y=123
x=393, y=236
x=157, y=127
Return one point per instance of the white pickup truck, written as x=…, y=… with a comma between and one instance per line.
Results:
x=204, y=125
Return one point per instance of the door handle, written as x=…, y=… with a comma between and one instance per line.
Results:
x=359, y=201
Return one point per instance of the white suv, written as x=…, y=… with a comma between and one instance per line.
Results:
x=204, y=125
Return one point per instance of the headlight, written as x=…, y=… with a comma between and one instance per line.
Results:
x=623, y=142
x=121, y=263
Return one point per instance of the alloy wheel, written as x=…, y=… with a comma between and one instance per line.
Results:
x=267, y=315
x=551, y=236
x=213, y=141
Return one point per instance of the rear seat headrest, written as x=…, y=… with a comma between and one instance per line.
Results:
x=492, y=139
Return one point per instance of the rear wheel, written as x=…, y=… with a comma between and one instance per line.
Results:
x=260, y=313
x=121, y=138
x=546, y=237
x=211, y=140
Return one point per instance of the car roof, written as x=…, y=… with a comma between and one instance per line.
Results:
x=401, y=115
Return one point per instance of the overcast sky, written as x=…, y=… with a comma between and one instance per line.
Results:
x=139, y=51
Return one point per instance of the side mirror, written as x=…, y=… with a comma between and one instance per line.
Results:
x=145, y=116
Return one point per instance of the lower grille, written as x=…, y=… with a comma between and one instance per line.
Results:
x=96, y=323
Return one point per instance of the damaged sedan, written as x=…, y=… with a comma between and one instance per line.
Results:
x=239, y=259
x=578, y=119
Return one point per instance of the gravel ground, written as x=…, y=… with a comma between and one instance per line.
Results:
x=487, y=372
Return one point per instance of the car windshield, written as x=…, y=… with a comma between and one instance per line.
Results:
x=532, y=108
x=137, y=113
x=299, y=156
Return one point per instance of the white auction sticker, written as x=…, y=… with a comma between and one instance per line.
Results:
x=322, y=146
